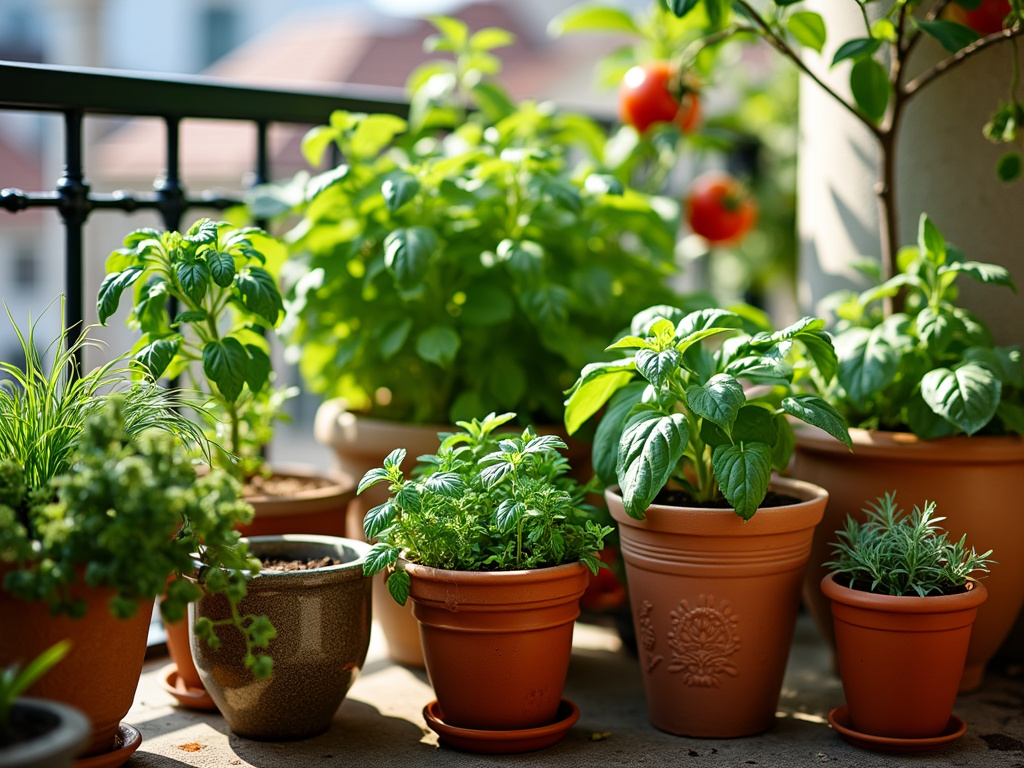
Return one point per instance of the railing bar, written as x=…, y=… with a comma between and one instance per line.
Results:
x=262, y=175
x=73, y=204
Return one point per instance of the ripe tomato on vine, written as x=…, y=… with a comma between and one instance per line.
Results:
x=720, y=209
x=656, y=92
x=985, y=19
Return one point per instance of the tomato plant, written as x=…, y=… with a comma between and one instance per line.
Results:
x=655, y=92
x=719, y=208
x=987, y=18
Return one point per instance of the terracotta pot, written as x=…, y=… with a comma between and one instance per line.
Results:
x=101, y=671
x=901, y=657
x=977, y=483
x=320, y=511
x=714, y=604
x=497, y=643
x=60, y=733
x=181, y=654
x=322, y=617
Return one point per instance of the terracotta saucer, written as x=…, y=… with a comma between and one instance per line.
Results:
x=502, y=742
x=839, y=719
x=126, y=742
x=193, y=698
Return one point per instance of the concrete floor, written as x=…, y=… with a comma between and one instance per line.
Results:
x=380, y=723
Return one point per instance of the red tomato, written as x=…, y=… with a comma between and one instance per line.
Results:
x=656, y=93
x=720, y=209
x=985, y=19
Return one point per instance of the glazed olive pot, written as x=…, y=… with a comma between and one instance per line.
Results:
x=322, y=617
x=714, y=601
x=58, y=733
x=977, y=484
x=497, y=643
x=901, y=657
x=101, y=671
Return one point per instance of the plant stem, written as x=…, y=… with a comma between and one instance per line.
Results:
x=951, y=62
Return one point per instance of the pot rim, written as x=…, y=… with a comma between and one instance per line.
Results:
x=960, y=449
x=338, y=487
x=528, y=575
x=975, y=595
x=69, y=735
x=361, y=548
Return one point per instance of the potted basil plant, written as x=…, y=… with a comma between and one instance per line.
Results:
x=938, y=412
x=715, y=549
x=904, y=598
x=491, y=542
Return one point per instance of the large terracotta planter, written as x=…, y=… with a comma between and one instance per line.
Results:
x=901, y=657
x=60, y=733
x=319, y=511
x=714, y=603
x=101, y=671
x=497, y=643
x=978, y=485
x=322, y=617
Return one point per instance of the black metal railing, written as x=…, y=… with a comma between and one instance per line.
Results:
x=78, y=93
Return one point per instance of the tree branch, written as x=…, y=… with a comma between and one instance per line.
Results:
x=932, y=15
x=958, y=58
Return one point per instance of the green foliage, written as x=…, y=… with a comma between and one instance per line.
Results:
x=467, y=261
x=223, y=280
x=932, y=369
x=898, y=554
x=692, y=421
x=486, y=501
x=14, y=681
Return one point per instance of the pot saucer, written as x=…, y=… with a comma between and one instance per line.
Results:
x=193, y=698
x=126, y=741
x=839, y=719
x=502, y=742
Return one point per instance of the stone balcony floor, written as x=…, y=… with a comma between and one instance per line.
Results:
x=381, y=723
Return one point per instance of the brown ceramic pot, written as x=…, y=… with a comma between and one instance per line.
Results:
x=714, y=603
x=320, y=511
x=101, y=671
x=497, y=643
x=322, y=617
x=900, y=658
x=977, y=483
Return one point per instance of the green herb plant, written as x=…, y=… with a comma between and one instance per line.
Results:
x=933, y=368
x=466, y=261
x=894, y=553
x=14, y=681
x=677, y=410
x=486, y=501
x=228, y=296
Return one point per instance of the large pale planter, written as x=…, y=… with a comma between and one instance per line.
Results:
x=497, y=643
x=322, y=617
x=978, y=485
x=59, y=731
x=101, y=671
x=901, y=657
x=714, y=603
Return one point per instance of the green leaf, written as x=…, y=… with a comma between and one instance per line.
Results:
x=508, y=513
x=924, y=422
x=547, y=307
x=225, y=363
x=407, y=254
x=454, y=30
x=379, y=557
x=755, y=424
x=393, y=338
x=370, y=479
x=593, y=17
x=966, y=396
x=597, y=383
x=743, y=473
x=395, y=458
x=190, y=316
x=809, y=28
x=111, y=289
x=609, y=430
x=379, y=517
x=375, y=132
x=222, y=267
x=682, y=7
x=257, y=370
x=438, y=344
x=525, y=258
x=1009, y=166
x=867, y=363
x=324, y=181
x=1012, y=415
x=157, y=355
x=819, y=413
x=870, y=85
x=398, y=189
x=493, y=101
x=936, y=328
x=951, y=35
x=447, y=484
x=719, y=400
x=992, y=274
x=652, y=444
x=194, y=278
x=930, y=240
x=202, y=232
x=316, y=141
x=657, y=367
x=858, y=48
x=260, y=294
x=819, y=346
x=398, y=586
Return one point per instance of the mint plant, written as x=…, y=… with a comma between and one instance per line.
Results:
x=894, y=553
x=933, y=368
x=677, y=410
x=484, y=502
x=227, y=297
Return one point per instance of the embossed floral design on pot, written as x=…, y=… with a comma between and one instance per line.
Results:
x=703, y=639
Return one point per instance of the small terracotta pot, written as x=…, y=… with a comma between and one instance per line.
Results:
x=714, y=603
x=322, y=511
x=977, y=484
x=497, y=643
x=322, y=617
x=901, y=657
x=60, y=733
x=102, y=669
